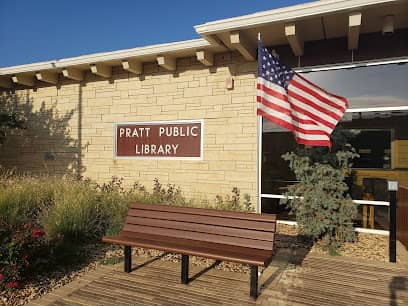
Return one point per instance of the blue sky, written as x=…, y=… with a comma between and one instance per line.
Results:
x=33, y=31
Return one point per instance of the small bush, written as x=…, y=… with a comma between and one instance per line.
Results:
x=24, y=198
x=19, y=252
x=233, y=202
x=79, y=212
x=320, y=202
x=170, y=195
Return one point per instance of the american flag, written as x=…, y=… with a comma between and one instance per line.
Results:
x=289, y=100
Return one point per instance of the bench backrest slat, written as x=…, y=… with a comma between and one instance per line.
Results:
x=210, y=220
x=203, y=228
x=232, y=228
x=205, y=212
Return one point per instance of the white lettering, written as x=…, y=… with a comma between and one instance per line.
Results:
x=121, y=132
x=192, y=131
x=168, y=148
x=135, y=134
x=147, y=131
x=161, y=131
x=128, y=131
x=153, y=149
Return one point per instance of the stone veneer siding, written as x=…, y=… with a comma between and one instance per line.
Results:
x=89, y=109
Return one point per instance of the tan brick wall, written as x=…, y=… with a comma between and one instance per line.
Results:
x=193, y=92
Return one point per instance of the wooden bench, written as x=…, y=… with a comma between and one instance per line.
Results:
x=245, y=238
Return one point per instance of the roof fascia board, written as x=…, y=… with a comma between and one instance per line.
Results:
x=135, y=52
x=108, y=56
x=34, y=67
x=285, y=14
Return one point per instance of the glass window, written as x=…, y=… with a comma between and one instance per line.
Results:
x=372, y=86
x=374, y=148
x=380, y=138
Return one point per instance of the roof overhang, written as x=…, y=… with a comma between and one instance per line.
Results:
x=308, y=22
x=287, y=14
x=145, y=54
x=292, y=25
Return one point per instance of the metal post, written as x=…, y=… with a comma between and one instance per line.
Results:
x=128, y=259
x=184, y=269
x=254, y=282
x=392, y=189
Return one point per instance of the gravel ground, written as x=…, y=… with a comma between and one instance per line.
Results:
x=367, y=246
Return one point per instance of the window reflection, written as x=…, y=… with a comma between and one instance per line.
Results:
x=373, y=86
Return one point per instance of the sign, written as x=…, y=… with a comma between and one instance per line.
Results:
x=159, y=140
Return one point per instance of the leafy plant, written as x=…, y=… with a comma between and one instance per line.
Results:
x=171, y=194
x=233, y=201
x=20, y=247
x=319, y=200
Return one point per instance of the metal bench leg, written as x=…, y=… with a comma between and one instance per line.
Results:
x=184, y=269
x=128, y=259
x=254, y=282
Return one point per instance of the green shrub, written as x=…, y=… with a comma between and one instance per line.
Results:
x=24, y=198
x=78, y=212
x=320, y=202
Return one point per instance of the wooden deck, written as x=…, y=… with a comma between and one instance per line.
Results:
x=319, y=280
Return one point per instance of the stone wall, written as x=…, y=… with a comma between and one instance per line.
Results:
x=70, y=126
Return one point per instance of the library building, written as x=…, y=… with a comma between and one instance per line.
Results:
x=185, y=112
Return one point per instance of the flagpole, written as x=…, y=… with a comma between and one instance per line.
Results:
x=259, y=155
x=259, y=149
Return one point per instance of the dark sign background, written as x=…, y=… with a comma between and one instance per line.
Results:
x=165, y=146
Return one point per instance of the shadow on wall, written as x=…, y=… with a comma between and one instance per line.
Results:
x=45, y=145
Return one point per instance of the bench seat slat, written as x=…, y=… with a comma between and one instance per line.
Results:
x=203, y=228
x=214, y=220
x=205, y=212
x=245, y=242
x=194, y=243
x=191, y=247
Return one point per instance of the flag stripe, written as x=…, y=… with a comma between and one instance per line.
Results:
x=273, y=90
x=292, y=117
x=312, y=98
x=313, y=114
x=340, y=100
x=321, y=140
x=304, y=128
x=318, y=96
x=307, y=108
